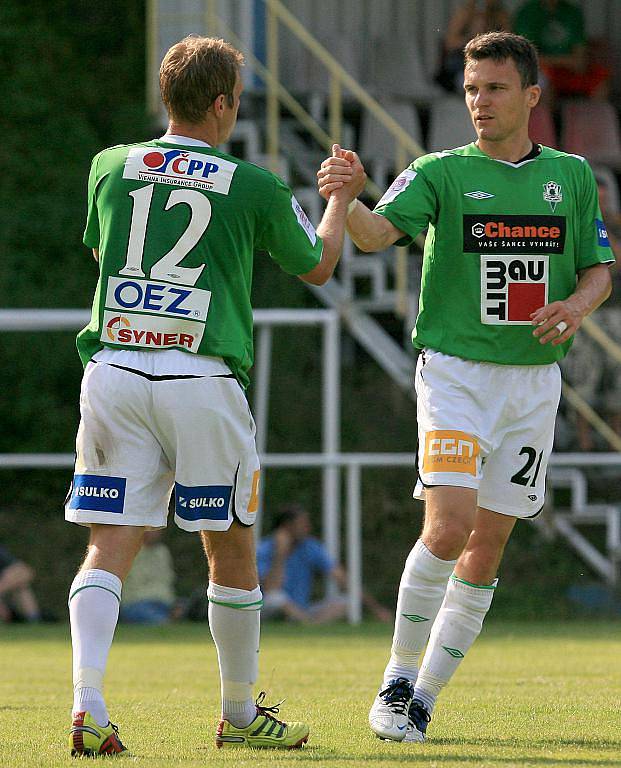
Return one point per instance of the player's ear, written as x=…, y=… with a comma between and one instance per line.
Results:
x=534, y=94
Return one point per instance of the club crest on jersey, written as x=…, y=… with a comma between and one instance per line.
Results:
x=179, y=167
x=553, y=194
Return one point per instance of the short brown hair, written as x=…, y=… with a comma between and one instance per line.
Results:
x=194, y=72
x=500, y=46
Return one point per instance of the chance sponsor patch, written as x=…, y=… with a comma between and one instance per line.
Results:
x=448, y=450
x=303, y=220
x=512, y=287
x=513, y=234
x=180, y=167
x=151, y=332
x=98, y=493
x=203, y=502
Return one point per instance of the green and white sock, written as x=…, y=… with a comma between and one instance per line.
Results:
x=421, y=592
x=456, y=627
x=235, y=623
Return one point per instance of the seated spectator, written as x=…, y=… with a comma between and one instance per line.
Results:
x=557, y=29
x=148, y=591
x=469, y=19
x=17, y=600
x=288, y=561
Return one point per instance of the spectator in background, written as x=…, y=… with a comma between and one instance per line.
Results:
x=557, y=29
x=288, y=561
x=16, y=596
x=148, y=591
x=468, y=20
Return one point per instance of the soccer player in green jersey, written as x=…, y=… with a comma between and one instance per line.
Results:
x=174, y=224
x=515, y=257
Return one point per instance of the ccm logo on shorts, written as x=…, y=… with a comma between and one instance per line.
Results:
x=203, y=502
x=448, y=450
x=98, y=493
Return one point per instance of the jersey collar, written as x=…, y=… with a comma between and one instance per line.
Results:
x=534, y=153
x=173, y=138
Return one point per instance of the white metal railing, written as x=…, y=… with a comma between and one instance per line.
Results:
x=353, y=463
x=265, y=320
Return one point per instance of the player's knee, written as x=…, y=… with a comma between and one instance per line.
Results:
x=446, y=539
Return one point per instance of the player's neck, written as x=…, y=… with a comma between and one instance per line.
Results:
x=199, y=131
x=511, y=150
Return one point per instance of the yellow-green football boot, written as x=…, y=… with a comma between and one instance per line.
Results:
x=90, y=739
x=264, y=731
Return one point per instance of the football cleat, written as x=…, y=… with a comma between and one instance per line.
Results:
x=90, y=739
x=418, y=720
x=264, y=731
x=388, y=717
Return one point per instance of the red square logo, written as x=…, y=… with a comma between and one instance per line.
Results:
x=525, y=298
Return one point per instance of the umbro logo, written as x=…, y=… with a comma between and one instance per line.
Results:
x=478, y=195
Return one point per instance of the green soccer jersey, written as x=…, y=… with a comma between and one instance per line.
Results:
x=177, y=226
x=504, y=239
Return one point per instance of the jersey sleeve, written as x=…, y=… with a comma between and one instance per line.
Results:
x=409, y=203
x=594, y=246
x=91, y=233
x=288, y=235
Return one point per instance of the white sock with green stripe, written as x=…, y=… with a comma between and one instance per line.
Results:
x=94, y=599
x=421, y=592
x=457, y=626
x=235, y=623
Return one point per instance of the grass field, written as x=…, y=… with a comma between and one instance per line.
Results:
x=526, y=695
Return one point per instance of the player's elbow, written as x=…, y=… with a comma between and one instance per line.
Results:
x=318, y=276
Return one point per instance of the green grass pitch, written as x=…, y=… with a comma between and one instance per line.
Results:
x=529, y=694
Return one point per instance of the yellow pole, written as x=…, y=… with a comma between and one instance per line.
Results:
x=152, y=56
x=336, y=109
x=212, y=18
x=273, y=108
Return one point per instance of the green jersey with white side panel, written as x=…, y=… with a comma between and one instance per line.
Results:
x=177, y=226
x=503, y=240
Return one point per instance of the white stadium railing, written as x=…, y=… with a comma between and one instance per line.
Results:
x=331, y=461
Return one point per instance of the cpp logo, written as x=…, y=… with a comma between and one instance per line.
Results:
x=151, y=297
x=202, y=502
x=179, y=163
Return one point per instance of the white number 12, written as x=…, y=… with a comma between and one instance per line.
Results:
x=167, y=268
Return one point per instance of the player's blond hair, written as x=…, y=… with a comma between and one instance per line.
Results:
x=194, y=72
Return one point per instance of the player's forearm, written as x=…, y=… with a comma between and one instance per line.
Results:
x=332, y=233
x=369, y=231
x=593, y=288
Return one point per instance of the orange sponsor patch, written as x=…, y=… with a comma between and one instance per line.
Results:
x=253, y=504
x=448, y=450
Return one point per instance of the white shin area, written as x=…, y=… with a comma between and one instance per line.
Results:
x=455, y=629
x=421, y=591
x=94, y=599
x=235, y=623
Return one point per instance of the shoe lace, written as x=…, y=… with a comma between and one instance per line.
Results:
x=268, y=712
x=398, y=694
x=419, y=715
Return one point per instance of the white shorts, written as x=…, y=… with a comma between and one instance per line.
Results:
x=486, y=426
x=143, y=434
